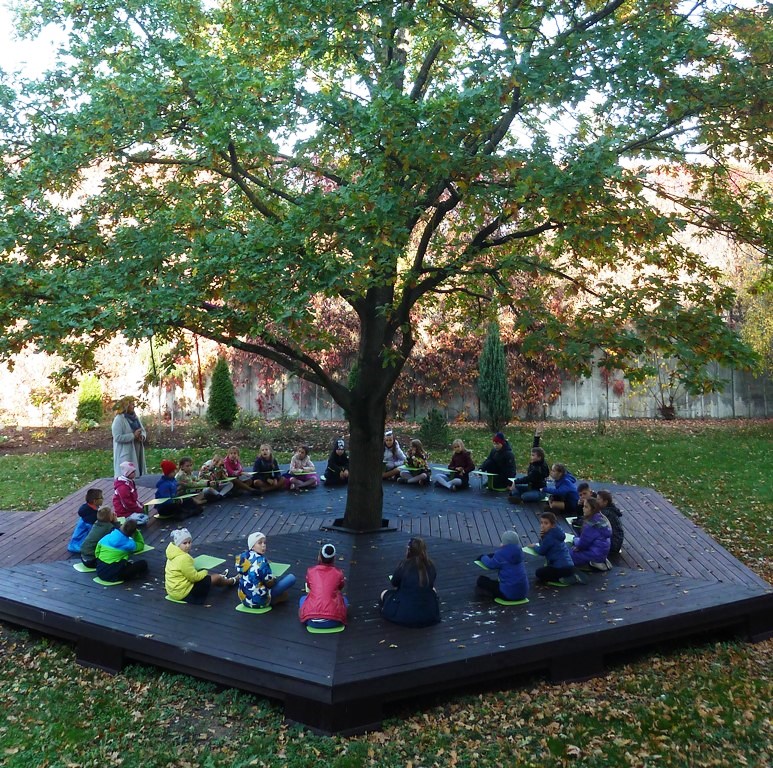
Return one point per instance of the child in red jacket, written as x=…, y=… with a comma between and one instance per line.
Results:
x=324, y=606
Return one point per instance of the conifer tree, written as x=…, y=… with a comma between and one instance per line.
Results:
x=222, y=408
x=492, y=380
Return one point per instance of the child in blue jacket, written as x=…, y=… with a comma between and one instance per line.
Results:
x=113, y=554
x=552, y=546
x=563, y=492
x=513, y=583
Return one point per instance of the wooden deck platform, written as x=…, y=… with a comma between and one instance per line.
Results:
x=672, y=582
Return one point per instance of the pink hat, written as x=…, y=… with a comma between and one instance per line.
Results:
x=127, y=468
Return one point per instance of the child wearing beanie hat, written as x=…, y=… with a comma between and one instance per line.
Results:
x=337, y=472
x=513, y=583
x=168, y=488
x=324, y=607
x=258, y=588
x=183, y=581
x=500, y=464
x=126, y=502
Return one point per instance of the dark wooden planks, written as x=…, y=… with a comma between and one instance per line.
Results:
x=340, y=682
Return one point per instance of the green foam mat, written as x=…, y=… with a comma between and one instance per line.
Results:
x=172, y=600
x=83, y=568
x=502, y=601
x=530, y=551
x=279, y=569
x=325, y=630
x=97, y=580
x=244, y=609
x=557, y=584
x=481, y=565
x=205, y=562
x=146, y=548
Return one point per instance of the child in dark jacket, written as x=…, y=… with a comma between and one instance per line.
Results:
x=267, y=475
x=87, y=516
x=552, y=546
x=337, y=471
x=513, y=583
x=168, y=488
x=500, y=463
x=591, y=547
x=609, y=509
x=531, y=486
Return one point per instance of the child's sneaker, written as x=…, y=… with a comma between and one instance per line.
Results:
x=605, y=566
x=575, y=578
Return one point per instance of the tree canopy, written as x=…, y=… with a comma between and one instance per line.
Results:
x=220, y=167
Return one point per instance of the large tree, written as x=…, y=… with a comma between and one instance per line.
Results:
x=216, y=166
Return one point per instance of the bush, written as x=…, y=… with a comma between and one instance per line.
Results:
x=89, y=399
x=434, y=430
x=492, y=380
x=222, y=408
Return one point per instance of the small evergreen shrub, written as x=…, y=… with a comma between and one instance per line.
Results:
x=434, y=430
x=89, y=400
x=222, y=408
x=492, y=380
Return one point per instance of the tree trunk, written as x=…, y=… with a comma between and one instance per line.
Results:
x=365, y=497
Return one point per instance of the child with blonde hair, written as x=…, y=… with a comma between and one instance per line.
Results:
x=461, y=464
x=267, y=475
x=416, y=469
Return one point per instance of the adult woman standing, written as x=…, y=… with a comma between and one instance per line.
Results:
x=128, y=437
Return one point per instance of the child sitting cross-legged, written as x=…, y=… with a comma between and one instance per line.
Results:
x=324, y=606
x=610, y=510
x=182, y=580
x=553, y=547
x=234, y=470
x=302, y=472
x=591, y=547
x=258, y=587
x=513, y=583
x=267, y=475
x=337, y=471
x=87, y=516
x=460, y=466
x=106, y=522
x=218, y=483
x=167, y=488
x=113, y=554
x=416, y=469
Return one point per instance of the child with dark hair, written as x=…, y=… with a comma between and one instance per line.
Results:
x=337, y=471
x=552, y=546
x=324, y=605
x=513, y=583
x=609, y=509
x=583, y=492
x=106, y=522
x=218, y=483
x=500, y=463
x=591, y=547
x=531, y=486
x=113, y=554
x=412, y=601
x=87, y=516
x=563, y=492
x=394, y=458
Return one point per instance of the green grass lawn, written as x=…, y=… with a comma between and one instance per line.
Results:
x=703, y=705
